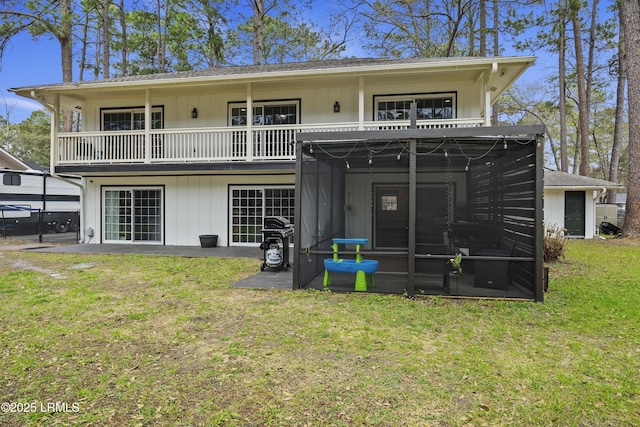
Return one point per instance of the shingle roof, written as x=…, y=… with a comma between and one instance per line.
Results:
x=564, y=179
x=248, y=70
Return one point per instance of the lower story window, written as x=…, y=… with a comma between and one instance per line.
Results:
x=133, y=215
x=249, y=206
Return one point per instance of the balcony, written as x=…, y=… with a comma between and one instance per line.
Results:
x=202, y=145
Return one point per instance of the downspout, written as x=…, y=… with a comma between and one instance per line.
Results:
x=52, y=168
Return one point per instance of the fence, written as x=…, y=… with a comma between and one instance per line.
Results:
x=38, y=225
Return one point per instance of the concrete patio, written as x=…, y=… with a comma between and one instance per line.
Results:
x=268, y=279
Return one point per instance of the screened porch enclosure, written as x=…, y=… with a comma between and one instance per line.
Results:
x=420, y=197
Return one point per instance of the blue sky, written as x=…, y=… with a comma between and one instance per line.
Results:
x=29, y=62
x=25, y=63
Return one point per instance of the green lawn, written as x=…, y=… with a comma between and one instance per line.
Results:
x=133, y=340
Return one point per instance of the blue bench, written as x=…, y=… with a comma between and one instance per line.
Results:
x=362, y=268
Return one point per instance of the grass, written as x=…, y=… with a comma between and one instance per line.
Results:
x=134, y=340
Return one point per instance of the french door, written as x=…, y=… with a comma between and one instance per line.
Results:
x=132, y=215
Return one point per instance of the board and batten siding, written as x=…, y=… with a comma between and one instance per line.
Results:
x=193, y=204
x=317, y=98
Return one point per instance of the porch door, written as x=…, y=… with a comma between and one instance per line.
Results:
x=133, y=215
x=392, y=217
x=574, y=212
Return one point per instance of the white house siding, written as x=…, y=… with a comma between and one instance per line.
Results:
x=554, y=208
x=317, y=100
x=193, y=204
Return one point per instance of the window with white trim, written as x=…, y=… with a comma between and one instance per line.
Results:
x=265, y=113
x=133, y=215
x=249, y=206
x=130, y=119
x=430, y=107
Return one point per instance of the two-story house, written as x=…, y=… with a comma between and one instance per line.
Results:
x=168, y=157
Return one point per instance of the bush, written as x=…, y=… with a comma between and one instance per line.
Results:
x=555, y=243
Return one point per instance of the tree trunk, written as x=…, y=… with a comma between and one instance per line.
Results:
x=630, y=15
x=106, y=39
x=66, y=48
x=161, y=40
x=258, y=31
x=583, y=107
x=483, y=27
x=614, y=165
x=562, y=82
x=123, y=28
x=496, y=52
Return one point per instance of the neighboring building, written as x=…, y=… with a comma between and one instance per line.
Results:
x=169, y=157
x=570, y=202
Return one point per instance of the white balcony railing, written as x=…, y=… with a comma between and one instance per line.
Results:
x=208, y=144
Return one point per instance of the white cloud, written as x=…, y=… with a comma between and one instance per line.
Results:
x=18, y=108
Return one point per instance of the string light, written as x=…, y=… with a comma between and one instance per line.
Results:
x=347, y=164
x=467, y=166
x=446, y=153
x=370, y=158
x=505, y=144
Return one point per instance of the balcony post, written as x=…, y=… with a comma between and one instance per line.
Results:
x=147, y=126
x=54, y=151
x=361, y=103
x=249, y=123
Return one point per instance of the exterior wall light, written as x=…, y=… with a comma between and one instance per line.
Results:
x=336, y=107
x=194, y=113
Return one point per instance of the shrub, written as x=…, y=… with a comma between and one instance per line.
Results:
x=555, y=243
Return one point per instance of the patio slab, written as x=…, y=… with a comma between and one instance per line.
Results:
x=269, y=279
x=158, y=250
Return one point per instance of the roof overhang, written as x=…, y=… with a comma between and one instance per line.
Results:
x=496, y=73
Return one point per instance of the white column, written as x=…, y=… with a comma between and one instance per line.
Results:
x=249, y=123
x=147, y=126
x=54, y=149
x=361, y=103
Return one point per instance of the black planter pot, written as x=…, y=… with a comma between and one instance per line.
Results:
x=208, y=240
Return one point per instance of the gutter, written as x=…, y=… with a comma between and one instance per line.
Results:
x=52, y=168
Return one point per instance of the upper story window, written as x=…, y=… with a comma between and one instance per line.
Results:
x=266, y=113
x=430, y=107
x=11, y=179
x=130, y=119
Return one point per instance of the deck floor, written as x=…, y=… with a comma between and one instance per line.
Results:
x=426, y=284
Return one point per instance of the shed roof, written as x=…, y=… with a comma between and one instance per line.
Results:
x=559, y=179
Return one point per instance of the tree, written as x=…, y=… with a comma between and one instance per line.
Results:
x=284, y=42
x=32, y=140
x=583, y=94
x=212, y=23
x=630, y=19
x=419, y=29
x=42, y=17
x=619, y=66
